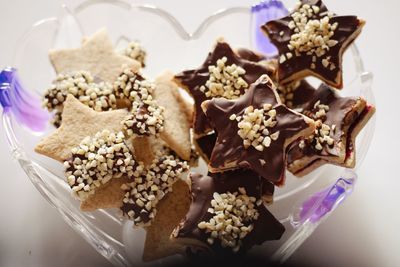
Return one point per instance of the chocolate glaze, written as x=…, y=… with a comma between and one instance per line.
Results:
x=302, y=94
x=249, y=55
x=194, y=79
x=206, y=145
x=119, y=91
x=202, y=189
x=229, y=152
x=140, y=212
x=140, y=119
x=349, y=28
x=267, y=190
x=342, y=113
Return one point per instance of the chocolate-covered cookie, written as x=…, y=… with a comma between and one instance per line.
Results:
x=254, y=131
x=226, y=214
x=311, y=41
x=339, y=120
x=223, y=74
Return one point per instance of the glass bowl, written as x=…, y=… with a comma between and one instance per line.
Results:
x=301, y=205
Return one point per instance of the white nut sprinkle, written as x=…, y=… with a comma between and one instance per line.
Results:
x=146, y=116
x=254, y=127
x=282, y=59
x=225, y=80
x=82, y=170
x=98, y=96
x=312, y=33
x=322, y=135
x=148, y=189
x=135, y=51
x=233, y=217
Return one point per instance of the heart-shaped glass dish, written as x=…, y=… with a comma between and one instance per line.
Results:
x=171, y=47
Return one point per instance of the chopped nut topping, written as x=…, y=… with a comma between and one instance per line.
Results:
x=135, y=51
x=144, y=193
x=255, y=125
x=312, y=33
x=98, y=96
x=322, y=135
x=286, y=93
x=282, y=59
x=144, y=120
x=97, y=160
x=302, y=144
x=325, y=63
x=132, y=86
x=146, y=116
x=233, y=217
x=225, y=81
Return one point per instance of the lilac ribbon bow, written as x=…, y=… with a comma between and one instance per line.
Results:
x=25, y=106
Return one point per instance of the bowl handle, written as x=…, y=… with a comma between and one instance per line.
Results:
x=25, y=106
x=311, y=212
x=98, y=239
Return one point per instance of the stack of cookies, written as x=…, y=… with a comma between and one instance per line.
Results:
x=128, y=142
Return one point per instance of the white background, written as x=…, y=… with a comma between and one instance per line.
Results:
x=365, y=231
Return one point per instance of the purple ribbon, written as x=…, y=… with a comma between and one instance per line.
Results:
x=25, y=106
x=262, y=13
x=321, y=203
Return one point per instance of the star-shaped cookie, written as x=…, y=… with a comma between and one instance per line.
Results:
x=311, y=41
x=171, y=210
x=237, y=189
x=79, y=121
x=95, y=55
x=339, y=120
x=223, y=74
x=111, y=195
x=254, y=131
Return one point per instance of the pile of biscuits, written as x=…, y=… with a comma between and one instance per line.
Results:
x=128, y=142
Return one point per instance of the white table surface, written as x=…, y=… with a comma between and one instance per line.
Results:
x=364, y=231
